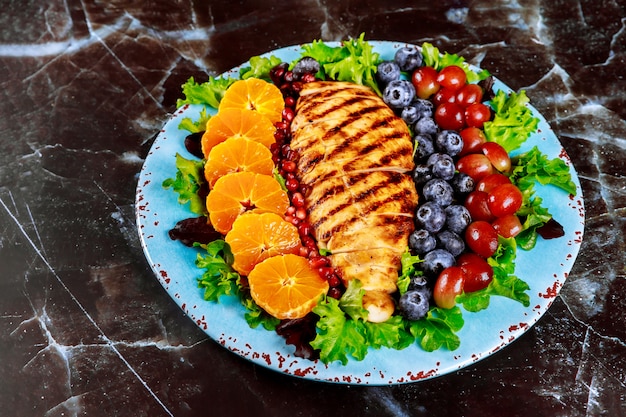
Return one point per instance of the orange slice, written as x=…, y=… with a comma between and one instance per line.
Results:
x=286, y=286
x=239, y=123
x=255, y=237
x=255, y=94
x=235, y=155
x=239, y=192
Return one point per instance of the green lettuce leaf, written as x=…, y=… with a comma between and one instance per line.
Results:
x=208, y=93
x=218, y=278
x=513, y=121
x=338, y=336
x=198, y=126
x=189, y=179
x=353, y=61
x=534, y=166
x=408, y=270
x=259, y=67
x=438, y=329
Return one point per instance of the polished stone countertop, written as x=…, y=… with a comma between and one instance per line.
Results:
x=87, y=329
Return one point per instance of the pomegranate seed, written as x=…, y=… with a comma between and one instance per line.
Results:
x=288, y=76
x=308, y=241
x=319, y=262
x=296, y=86
x=288, y=114
x=282, y=125
x=301, y=213
x=292, y=184
x=334, y=292
x=305, y=229
x=295, y=221
x=305, y=189
x=304, y=252
x=326, y=272
x=291, y=210
x=308, y=78
x=289, y=219
x=297, y=199
x=334, y=280
x=288, y=166
x=290, y=101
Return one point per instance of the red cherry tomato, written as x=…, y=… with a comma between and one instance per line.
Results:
x=482, y=238
x=475, y=165
x=477, y=272
x=473, y=139
x=507, y=226
x=504, y=199
x=424, y=80
x=477, y=114
x=452, y=77
x=449, y=284
x=498, y=156
x=450, y=116
x=491, y=181
x=469, y=94
x=444, y=95
x=476, y=204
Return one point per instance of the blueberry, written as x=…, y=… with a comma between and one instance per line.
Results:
x=441, y=165
x=413, y=305
x=462, y=183
x=408, y=58
x=430, y=216
x=437, y=156
x=420, y=283
x=438, y=191
x=387, y=72
x=449, y=141
x=457, y=218
x=422, y=174
x=437, y=260
x=409, y=114
x=398, y=94
x=422, y=241
x=424, y=147
x=451, y=242
x=306, y=65
x=424, y=108
x=426, y=126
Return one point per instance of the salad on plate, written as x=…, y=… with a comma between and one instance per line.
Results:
x=266, y=160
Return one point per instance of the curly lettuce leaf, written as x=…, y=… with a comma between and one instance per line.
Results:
x=353, y=61
x=513, y=121
x=433, y=58
x=534, y=166
x=338, y=336
x=219, y=278
x=438, y=329
x=407, y=270
x=195, y=127
x=189, y=179
x=208, y=93
x=259, y=67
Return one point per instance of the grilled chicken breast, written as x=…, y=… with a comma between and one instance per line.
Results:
x=355, y=154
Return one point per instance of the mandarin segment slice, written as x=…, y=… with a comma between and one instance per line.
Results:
x=286, y=286
x=255, y=94
x=239, y=123
x=239, y=192
x=255, y=237
x=236, y=155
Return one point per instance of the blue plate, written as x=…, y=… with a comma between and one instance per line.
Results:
x=545, y=269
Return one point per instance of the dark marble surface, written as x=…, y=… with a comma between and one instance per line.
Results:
x=86, y=329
